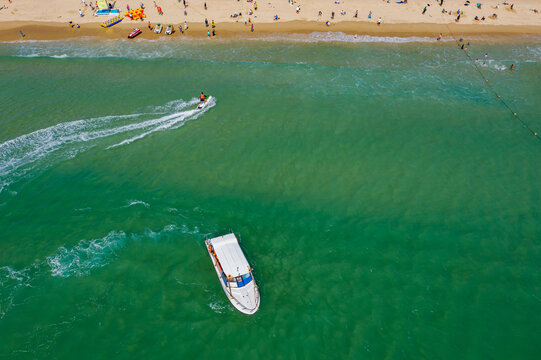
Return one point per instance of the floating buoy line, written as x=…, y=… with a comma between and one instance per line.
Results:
x=498, y=96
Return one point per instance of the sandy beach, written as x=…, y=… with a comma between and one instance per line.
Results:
x=50, y=20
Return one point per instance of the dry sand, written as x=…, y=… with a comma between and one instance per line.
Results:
x=48, y=20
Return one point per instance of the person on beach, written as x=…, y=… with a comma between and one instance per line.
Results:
x=205, y=6
x=208, y=34
x=332, y=15
x=379, y=21
x=22, y=34
x=213, y=32
x=206, y=22
x=213, y=25
x=356, y=14
x=80, y=13
x=424, y=10
x=252, y=28
x=370, y=14
x=439, y=37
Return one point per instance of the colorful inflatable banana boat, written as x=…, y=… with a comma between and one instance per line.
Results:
x=112, y=21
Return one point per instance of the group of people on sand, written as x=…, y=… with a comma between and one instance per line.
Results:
x=213, y=26
x=73, y=25
x=355, y=15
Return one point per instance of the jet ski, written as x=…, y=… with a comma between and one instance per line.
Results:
x=134, y=33
x=204, y=104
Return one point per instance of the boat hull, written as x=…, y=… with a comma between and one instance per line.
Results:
x=236, y=295
x=134, y=34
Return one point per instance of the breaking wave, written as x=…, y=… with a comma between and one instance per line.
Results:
x=342, y=37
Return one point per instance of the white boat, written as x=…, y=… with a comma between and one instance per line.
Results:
x=234, y=273
x=203, y=104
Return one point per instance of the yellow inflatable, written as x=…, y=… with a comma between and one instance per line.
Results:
x=135, y=14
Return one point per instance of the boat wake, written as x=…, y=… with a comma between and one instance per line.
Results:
x=71, y=262
x=85, y=256
x=46, y=147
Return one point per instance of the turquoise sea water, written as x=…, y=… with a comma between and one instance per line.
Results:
x=388, y=202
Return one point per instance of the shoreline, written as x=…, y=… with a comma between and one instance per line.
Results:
x=36, y=30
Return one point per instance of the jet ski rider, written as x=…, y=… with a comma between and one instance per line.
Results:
x=202, y=97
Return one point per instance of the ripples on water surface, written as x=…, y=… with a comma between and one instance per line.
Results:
x=387, y=201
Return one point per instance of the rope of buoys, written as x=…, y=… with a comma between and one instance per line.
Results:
x=515, y=115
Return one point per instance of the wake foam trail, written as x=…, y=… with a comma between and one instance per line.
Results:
x=137, y=202
x=11, y=281
x=45, y=147
x=76, y=261
x=30, y=148
x=85, y=256
x=169, y=122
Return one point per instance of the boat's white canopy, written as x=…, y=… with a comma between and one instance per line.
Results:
x=230, y=255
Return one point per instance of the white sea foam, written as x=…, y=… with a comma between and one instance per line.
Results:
x=173, y=121
x=11, y=281
x=44, y=147
x=76, y=261
x=342, y=37
x=217, y=307
x=137, y=202
x=86, y=255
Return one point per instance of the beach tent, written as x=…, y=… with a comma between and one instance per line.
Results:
x=102, y=4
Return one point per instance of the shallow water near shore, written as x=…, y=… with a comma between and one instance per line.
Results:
x=387, y=201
